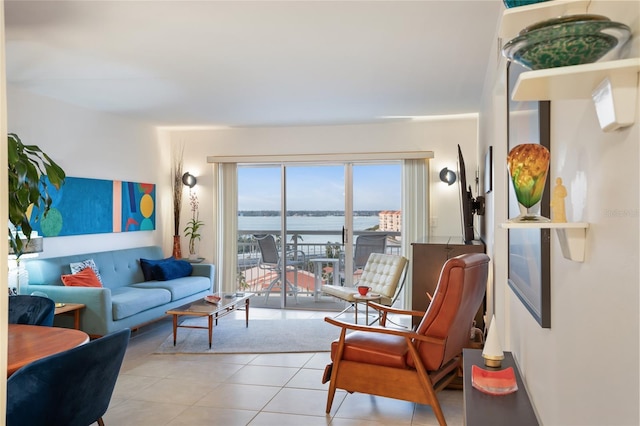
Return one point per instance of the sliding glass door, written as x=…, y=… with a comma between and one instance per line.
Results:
x=314, y=211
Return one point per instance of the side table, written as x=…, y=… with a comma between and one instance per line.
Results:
x=70, y=309
x=317, y=268
x=370, y=297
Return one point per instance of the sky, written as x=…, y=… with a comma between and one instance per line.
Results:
x=376, y=187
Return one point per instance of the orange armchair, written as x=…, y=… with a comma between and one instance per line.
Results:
x=407, y=364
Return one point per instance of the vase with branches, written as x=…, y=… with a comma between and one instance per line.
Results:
x=192, y=230
x=176, y=186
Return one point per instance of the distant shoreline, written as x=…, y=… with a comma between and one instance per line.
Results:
x=309, y=213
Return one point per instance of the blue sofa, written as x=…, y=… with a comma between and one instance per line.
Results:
x=126, y=300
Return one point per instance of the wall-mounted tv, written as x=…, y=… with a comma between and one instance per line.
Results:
x=469, y=205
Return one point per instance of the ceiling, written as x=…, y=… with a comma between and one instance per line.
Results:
x=262, y=63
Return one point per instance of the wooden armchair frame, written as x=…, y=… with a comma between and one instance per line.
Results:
x=410, y=385
x=411, y=365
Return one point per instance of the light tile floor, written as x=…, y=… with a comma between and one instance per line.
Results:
x=248, y=389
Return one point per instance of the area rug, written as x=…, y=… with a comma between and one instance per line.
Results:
x=262, y=336
x=324, y=303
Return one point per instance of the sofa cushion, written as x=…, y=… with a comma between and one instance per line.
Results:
x=84, y=278
x=179, y=287
x=88, y=263
x=148, y=264
x=171, y=270
x=129, y=301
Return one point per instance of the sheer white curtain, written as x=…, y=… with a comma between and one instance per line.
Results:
x=415, y=208
x=226, y=220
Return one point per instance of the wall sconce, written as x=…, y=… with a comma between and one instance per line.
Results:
x=189, y=180
x=448, y=176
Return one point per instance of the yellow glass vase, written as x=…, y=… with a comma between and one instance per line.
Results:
x=528, y=166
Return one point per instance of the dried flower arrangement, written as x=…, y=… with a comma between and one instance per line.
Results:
x=176, y=186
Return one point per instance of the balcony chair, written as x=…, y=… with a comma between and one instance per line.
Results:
x=31, y=310
x=365, y=245
x=406, y=364
x=384, y=273
x=270, y=261
x=71, y=388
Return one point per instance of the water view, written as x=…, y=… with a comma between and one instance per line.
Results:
x=307, y=223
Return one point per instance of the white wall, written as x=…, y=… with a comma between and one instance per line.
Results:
x=89, y=144
x=584, y=370
x=4, y=215
x=97, y=145
x=593, y=343
x=440, y=136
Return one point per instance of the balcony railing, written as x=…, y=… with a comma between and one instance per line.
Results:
x=250, y=277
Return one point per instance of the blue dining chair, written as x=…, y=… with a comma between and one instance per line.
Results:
x=71, y=388
x=31, y=310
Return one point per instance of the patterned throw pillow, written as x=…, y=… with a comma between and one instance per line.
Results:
x=88, y=263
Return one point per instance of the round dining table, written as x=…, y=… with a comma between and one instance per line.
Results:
x=28, y=343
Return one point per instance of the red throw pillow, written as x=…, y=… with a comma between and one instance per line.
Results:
x=84, y=278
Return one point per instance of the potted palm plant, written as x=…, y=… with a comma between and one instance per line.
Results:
x=28, y=167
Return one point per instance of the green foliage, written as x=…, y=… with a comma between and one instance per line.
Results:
x=242, y=281
x=332, y=250
x=28, y=166
x=192, y=231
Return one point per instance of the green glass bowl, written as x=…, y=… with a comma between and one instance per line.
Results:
x=517, y=3
x=566, y=43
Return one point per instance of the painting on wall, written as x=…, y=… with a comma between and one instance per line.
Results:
x=529, y=249
x=95, y=206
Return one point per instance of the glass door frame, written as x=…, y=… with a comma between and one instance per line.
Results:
x=348, y=224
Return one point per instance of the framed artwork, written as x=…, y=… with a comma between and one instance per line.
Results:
x=488, y=171
x=95, y=206
x=529, y=249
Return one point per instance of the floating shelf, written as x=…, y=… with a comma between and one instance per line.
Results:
x=571, y=235
x=613, y=85
x=573, y=82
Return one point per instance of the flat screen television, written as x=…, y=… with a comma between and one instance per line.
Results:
x=468, y=204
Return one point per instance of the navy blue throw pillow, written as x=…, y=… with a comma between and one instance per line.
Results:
x=169, y=270
x=148, y=264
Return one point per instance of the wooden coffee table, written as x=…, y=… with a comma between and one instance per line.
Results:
x=228, y=303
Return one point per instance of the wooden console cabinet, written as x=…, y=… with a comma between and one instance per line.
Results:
x=428, y=258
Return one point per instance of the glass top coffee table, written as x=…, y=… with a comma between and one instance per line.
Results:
x=227, y=303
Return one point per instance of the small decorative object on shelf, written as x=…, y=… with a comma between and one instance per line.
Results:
x=492, y=351
x=502, y=382
x=528, y=166
x=558, y=213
